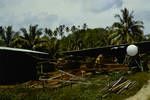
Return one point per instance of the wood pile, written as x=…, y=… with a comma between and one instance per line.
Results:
x=118, y=87
x=114, y=67
x=64, y=78
x=57, y=79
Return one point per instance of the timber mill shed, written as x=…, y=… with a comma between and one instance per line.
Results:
x=19, y=65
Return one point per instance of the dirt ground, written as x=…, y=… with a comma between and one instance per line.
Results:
x=143, y=94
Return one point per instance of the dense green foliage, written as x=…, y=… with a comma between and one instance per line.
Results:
x=82, y=39
x=63, y=38
x=127, y=30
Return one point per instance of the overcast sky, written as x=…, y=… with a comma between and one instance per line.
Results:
x=52, y=13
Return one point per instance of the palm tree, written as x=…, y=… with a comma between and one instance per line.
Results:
x=31, y=39
x=67, y=29
x=59, y=31
x=51, y=44
x=55, y=33
x=7, y=35
x=127, y=30
x=49, y=32
x=85, y=26
x=73, y=29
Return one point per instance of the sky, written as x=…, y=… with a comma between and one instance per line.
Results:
x=52, y=13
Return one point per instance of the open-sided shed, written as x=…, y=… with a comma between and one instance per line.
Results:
x=116, y=50
x=18, y=65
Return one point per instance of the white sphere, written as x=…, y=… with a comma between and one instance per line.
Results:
x=132, y=50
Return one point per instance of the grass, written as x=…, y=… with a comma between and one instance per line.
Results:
x=77, y=91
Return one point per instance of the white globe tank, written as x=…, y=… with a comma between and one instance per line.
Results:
x=132, y=50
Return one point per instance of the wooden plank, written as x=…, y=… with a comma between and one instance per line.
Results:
x=67, y=73
x=58, y=76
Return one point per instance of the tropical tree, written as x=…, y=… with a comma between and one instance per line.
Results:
x=31, y=39
x=77, y=41
x=85, y=26
x=7, y=36
x=49, y=32
x=127, y=30
x=95, y=38
x=73, y=29
x=51, y=44
x=60, y=31
x=67, y=30
x=82, y=39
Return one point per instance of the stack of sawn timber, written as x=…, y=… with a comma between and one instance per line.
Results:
x=118, y=87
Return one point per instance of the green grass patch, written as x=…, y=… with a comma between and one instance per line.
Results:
x=77, y=91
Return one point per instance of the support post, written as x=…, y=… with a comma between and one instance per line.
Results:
x=41, y=69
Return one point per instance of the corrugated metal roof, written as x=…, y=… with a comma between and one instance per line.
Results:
x=143, y=47
x=22, y=50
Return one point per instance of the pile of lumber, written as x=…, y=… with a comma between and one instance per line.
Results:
x=114, y=67
x=59, y=79
x=62, y=78
x=118, y=87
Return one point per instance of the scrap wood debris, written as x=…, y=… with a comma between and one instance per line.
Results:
x=57, y=79
x=118, y=87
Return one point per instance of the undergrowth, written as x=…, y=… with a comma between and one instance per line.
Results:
x=77, y=91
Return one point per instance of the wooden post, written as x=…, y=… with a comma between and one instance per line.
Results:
x=82, y=72
x=41, y=69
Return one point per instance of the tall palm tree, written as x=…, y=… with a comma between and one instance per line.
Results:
x=127, y=30
x=61, y=30
x=85, y=26
x=67, y=29
x=7, y=35
x=49, y=32
x=73, y=29
x=32, y=38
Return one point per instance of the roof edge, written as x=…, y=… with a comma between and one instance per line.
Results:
x=22, y=50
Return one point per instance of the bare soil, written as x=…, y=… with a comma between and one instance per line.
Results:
x=143, y=94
